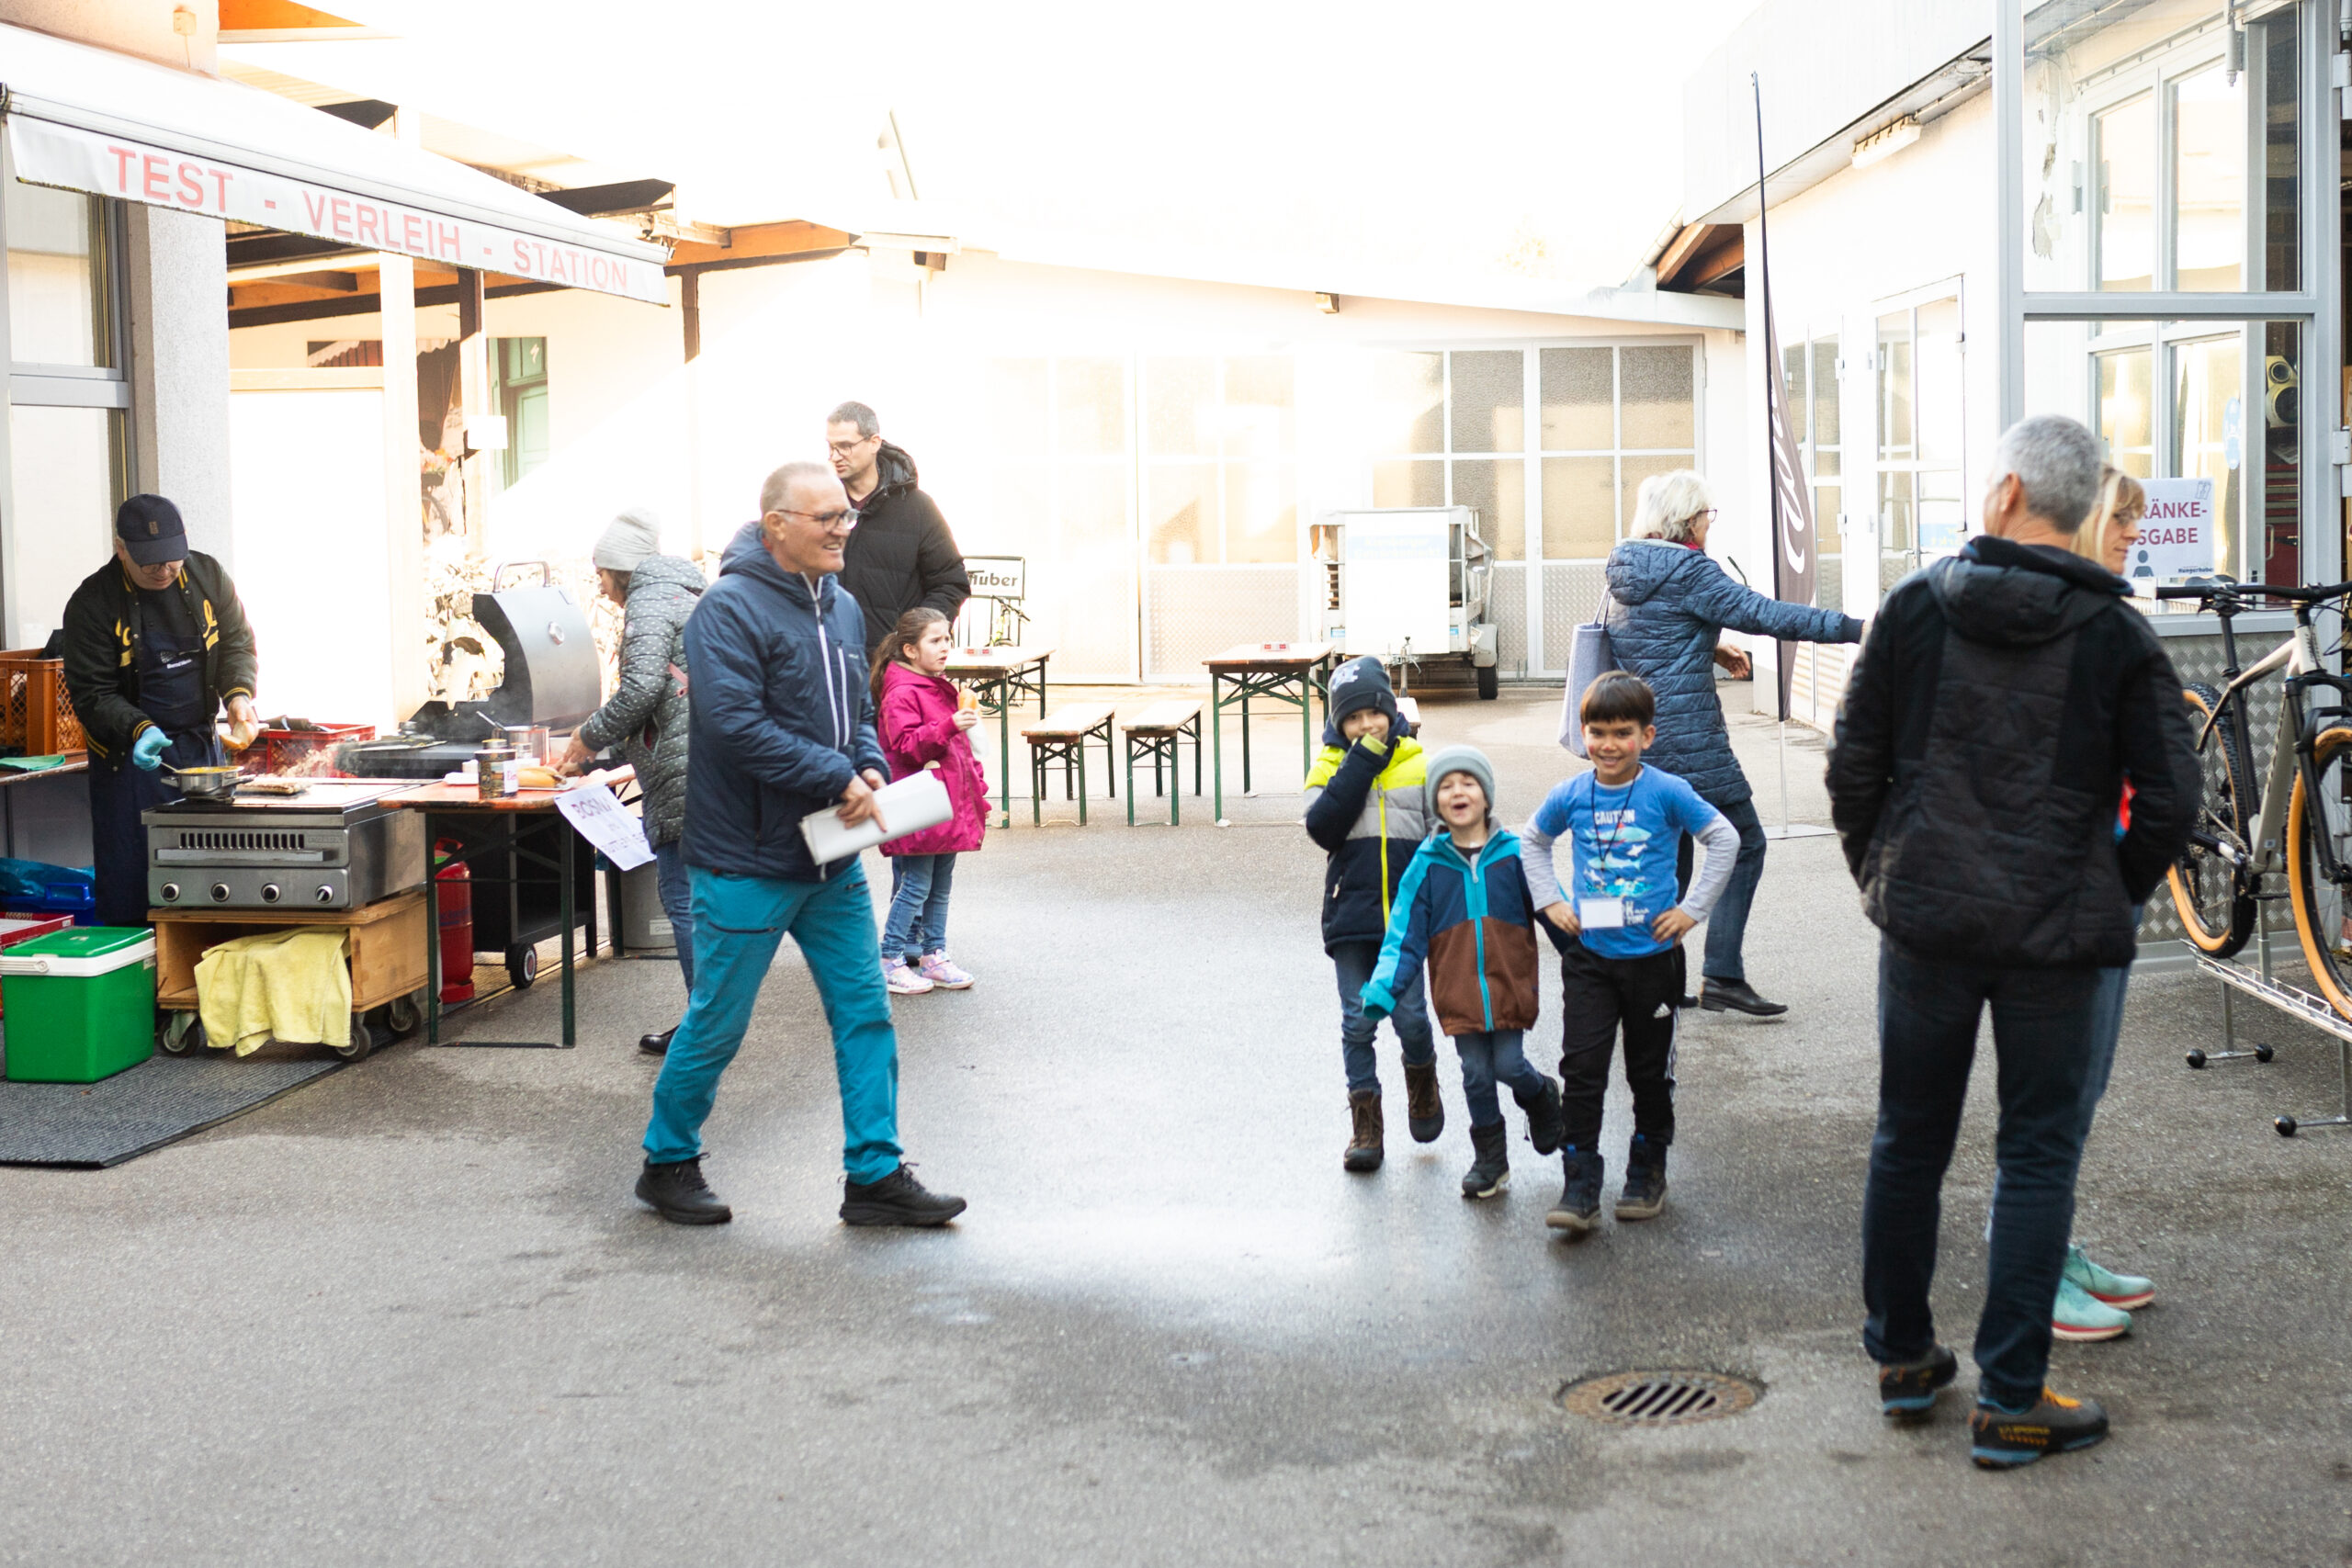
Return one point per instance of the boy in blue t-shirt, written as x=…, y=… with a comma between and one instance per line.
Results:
x=1622, y=924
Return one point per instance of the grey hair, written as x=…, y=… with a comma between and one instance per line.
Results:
x=859, y=415
x=1667, y=504
x=2058, y=464
x=778, y=487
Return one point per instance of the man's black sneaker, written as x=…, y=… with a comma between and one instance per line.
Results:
x=656, y=1044
x=1644, y=1192
x=1578, y=1208
x=1906, y=1390
x=1737, y=996
x=2002, y=1439
x=680, y=1195
x=897, y=1199
x=1545, y=1124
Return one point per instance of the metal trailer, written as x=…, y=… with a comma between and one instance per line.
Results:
x=1408, y=584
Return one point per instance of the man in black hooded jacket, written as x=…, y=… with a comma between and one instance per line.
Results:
x=2003, y=698
x=901, y=554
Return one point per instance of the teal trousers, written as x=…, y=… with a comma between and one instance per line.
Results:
x=738, y=923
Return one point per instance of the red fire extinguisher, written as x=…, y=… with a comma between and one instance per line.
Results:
x=457, y=891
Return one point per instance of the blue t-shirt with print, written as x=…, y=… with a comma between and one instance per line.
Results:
x=1624, y=842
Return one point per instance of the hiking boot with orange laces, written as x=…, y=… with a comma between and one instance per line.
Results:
x=2002, y=1437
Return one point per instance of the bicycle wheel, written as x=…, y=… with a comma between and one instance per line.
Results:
x=2324, y=907
x=2212, y=897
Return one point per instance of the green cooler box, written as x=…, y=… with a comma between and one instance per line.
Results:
x=80, y=1003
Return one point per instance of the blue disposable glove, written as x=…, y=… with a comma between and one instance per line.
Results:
x=147, y=751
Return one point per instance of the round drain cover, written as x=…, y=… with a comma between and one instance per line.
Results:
x=1672, y=1397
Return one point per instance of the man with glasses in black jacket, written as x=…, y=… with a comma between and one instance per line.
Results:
x=902, y=554
x=2002, y=699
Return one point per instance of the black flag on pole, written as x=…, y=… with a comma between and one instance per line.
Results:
x=1792, y=523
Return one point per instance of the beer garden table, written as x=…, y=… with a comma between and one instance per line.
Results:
x=1279, y=672
x=999, y=677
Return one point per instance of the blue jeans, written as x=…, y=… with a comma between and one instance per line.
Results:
x=1354, y=961
x=2043, y=1022
x=918, y=920
x=1489, y=1057
x=2107, y=1027
x=677, y=902
x=740, y=922
x=1728, y=921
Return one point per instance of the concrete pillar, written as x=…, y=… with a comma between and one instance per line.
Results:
x=403, y=505
x=177, y=283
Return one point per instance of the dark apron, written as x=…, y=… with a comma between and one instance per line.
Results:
x=171, y=692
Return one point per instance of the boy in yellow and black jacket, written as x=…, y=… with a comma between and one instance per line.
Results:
x=1366, y=806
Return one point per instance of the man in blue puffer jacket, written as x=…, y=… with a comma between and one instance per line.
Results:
x=1671, y=605
x=782, y=726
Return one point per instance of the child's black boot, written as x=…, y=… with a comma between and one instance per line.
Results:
x=1545, y=1123
x=1578, y=1210
x=1644, y=1192
x=1490, y=1172
x=1365, y=1146
x=1424, y=1111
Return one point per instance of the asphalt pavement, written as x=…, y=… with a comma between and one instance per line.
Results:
x=412, y=1315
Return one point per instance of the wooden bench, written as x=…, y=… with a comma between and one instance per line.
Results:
x=1062, y=736
x=1157, y=732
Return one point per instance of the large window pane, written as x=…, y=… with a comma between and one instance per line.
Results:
x=1580, y=400
x=2276, y=555
x=2208, y=425
x=1180, y=408
x=67, y=479
x=1410, y=392
x=2125, y=416
x=2124, y=155
x=2209, y=181
x=2280, y=159
x=1499, y=490
x=57, y=304
x=1260, y=512
x=1661, y=401
x=1090, y=407
x=1490, y=401
x=1408, y=484
x=1896, y=436
x=1260, y=406
x=1938, y=381
x=1792, y=386
x=1825, y=407
x=1180, y=511
x=1579, y=508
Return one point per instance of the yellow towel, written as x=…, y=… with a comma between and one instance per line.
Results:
x=291, y=984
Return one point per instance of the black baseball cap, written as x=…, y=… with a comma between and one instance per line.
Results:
x=150, y=529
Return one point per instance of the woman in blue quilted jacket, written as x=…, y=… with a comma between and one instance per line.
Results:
x=1668, y=606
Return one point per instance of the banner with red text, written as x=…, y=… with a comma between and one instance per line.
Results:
x=52, y=154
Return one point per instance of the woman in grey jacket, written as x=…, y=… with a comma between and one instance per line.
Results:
x=1668, y=605
x=646, y=716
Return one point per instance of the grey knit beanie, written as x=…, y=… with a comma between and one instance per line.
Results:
x=1459, y=760
x=632, y=536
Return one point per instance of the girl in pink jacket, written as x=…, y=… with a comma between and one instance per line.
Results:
x=924, y=724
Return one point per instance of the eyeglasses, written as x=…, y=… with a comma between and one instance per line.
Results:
x=843, y=448
x=843, y=519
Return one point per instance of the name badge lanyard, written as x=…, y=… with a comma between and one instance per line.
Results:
x=1603, y=846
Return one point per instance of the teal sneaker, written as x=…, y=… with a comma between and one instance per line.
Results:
x=2079, y=1315
x=2125, y=1291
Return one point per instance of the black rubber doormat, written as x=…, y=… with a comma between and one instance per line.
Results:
x=160, y=1101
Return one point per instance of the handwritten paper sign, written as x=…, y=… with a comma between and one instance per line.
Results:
x=599, y=818
x=2176, y=535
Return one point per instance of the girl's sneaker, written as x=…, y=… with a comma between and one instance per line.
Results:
x=941, y=971
x=2129, y=1292
x=901, y=980
x=2078, y=1316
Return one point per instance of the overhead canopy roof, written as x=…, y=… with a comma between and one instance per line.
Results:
x=91, y=120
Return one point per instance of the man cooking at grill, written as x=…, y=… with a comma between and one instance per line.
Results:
x=155, y=642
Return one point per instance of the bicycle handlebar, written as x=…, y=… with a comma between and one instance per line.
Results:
x=2255, y=591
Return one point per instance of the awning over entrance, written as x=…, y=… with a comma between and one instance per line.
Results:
x=94, y=121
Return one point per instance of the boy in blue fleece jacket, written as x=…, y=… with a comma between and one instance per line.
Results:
x=1464, y=907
